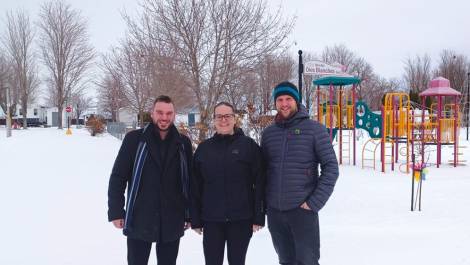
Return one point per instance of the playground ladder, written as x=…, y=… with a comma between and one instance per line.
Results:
x=346, y=136
x=460, y=162
x=370, y=149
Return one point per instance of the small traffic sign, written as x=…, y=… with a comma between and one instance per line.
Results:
x=68, y=109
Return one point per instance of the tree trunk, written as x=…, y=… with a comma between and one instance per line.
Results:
x=203, y=125
x=141, y=119
x=114, y=116
x=59, y=117
x=79, y=112
x=25, y=116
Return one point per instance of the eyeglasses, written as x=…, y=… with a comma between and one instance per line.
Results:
x=219, y=117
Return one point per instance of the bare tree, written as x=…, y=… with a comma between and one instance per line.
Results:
x=169, y=79
x=272, y=70
x=19, y=40
x=418, y=72
x=372, y=86
x=130, y=66
x=354, y=65
x=257, y=122
x=144, y=72
x=66, y=51
x=254, y=86
x=7, y=80
x=110, y=96
x=238, y=91
x=4, y=71
x=80, y=103
x=454, y=67
x=167, y=76
x=376, y=88
x=339, y=54
x=211, y=39
x=364, y=70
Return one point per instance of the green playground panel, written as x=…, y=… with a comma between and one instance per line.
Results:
x=368, y=120
x=365, y=119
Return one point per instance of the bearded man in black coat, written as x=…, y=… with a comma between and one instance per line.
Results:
x=153, y=163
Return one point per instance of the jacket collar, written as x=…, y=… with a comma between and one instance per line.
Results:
x=150, y=137
x=237, y=133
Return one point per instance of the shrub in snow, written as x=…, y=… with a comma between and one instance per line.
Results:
x=95, y=125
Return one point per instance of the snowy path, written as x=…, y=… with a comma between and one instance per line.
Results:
x=54, y=210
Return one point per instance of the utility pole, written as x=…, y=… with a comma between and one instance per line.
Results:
x=8, y=118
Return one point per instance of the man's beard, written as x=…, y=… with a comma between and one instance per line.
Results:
x=291, y=113
x=279, y=117
x=164, y=130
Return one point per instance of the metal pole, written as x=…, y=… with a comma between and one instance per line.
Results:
x=393, y=127
x=423, y=138
x=456, y=138
x=354, y=123
x=331, y=112
x=439, y=110
x=8, y=118
x=468, y=99
x=412, y=180
x=301, y=71
x=68, y=116
x=318, y=105
x=382, y=147
x=340, y=124
x=420, y=188
x=412, y=140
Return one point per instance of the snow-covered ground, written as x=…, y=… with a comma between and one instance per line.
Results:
x=54, y=202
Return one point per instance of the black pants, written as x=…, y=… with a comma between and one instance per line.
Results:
x=236, y=234
x=138, y=252
x=296, y=236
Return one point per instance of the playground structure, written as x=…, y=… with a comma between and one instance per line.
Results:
x=396, y=126
x=402, y=129
x=336, y=110
x=441, y=127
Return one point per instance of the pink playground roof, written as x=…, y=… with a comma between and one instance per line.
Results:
x=439, y=87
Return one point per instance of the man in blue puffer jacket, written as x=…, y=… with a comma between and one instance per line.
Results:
x=293, y=147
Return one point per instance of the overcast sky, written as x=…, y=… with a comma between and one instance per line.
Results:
x=384, y=32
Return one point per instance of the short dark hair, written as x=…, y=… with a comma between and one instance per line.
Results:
x=224, y=103
x=163, y=98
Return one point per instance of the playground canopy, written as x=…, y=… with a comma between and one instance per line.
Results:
x=336, y=80
x=446, y=126
x=439, y=87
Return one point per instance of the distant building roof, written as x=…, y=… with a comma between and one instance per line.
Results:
x=190, y=108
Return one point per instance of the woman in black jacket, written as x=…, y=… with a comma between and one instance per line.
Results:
x=227, y=190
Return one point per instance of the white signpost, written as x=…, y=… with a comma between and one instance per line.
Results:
x=319, y=69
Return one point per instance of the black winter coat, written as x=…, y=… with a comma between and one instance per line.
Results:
x=228, y=182
x=159, y=209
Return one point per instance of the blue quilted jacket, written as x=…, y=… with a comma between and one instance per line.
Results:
x=293, y=151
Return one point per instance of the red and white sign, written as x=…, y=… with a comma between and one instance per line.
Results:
x=68, y=109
